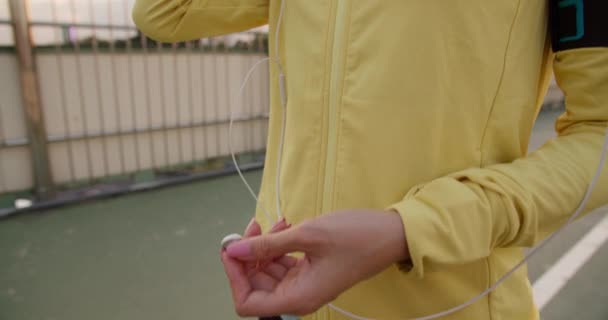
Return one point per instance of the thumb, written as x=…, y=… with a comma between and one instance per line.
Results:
x=265, y=247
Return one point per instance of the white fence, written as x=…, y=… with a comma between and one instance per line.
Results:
x=113, y=113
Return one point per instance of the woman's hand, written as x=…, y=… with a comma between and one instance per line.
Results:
x=340, y=250
x=265, y=274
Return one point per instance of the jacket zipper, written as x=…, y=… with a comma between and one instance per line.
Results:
x=334, y=99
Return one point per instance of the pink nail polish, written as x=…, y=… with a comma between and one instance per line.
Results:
x=279, y=225
x=241, y=249
x=251, y=222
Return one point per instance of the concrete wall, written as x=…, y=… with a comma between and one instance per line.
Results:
x=138, y=110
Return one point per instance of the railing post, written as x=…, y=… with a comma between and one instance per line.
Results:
x=30, y=93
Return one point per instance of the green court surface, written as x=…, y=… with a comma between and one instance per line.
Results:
x=155, y=255
x=145, y=256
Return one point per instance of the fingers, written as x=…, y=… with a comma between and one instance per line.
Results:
x=262, y=304
x=275, y=270
x=287, y=261
x=247, y=301
x=239, y=284
x=253, y=229
x=280, y=226
x=251, y=307
x=263, y=281
x=267, y=304
x=267, y=246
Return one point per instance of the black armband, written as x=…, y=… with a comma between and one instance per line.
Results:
x=578, y=24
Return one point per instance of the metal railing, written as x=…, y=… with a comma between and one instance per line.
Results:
x=99, y=110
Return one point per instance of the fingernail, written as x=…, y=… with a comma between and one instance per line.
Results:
x=279, y=225
x=241, y=249
x=251, y=222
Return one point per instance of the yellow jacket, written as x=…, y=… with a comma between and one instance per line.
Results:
x=426, y=107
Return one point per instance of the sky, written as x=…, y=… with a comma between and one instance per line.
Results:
x=114, y=12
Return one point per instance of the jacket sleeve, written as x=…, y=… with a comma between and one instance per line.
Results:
x=180, y=20
x=462, y=217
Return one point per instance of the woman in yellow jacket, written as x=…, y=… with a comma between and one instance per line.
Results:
x=405, y=169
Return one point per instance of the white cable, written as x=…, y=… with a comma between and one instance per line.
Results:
x=283, y=93
x=278, y=165
x=346, y=313
x=464, y=305
x=231, y=150
x=276, y=33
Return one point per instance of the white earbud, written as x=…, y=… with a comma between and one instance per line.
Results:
x=229, y=239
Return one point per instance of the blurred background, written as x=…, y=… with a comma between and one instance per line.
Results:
x=91, y=109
